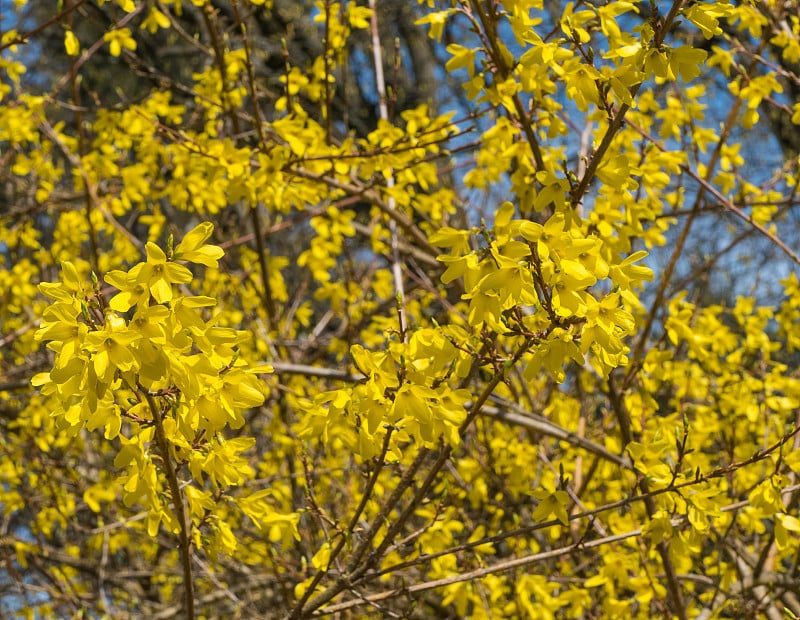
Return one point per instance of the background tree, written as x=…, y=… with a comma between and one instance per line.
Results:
x=342, y=308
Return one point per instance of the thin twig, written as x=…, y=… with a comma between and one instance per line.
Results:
x=380, y=82
x=177, y=502
x=209, y=17
x=23, y=38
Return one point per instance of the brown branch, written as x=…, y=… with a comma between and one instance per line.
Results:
x=177, y=503
x=219, y=56
x=504, y=71
x=373, y=197
x=23, y=38
x=617, y=121
x=380, y=83
x=481, y=572
x=357, y=566
x=551, y=429
x=526, y=560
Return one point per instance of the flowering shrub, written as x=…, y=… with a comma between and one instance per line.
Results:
x=253, y=363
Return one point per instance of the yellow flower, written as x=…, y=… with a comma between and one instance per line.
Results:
x=155, y=19
x=112, y=348
x=158, y=275
x=131, y=293
x=193, y=250
x=71, y=43
x=70, y=287
x=61, y=328
x=118, y=39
